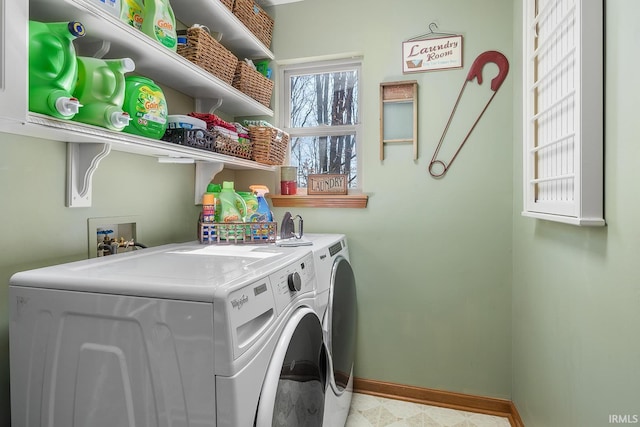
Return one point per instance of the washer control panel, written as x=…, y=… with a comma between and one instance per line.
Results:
x=293, y=281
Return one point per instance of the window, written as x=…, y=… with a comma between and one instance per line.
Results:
x=563, y=110
x=321, y=114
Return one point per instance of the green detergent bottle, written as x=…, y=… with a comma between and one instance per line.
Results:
x=132, y=12
x=215, y=190
x=100, y=89
x=53, y=68
x=159, y=23
x=232, y=209
x=146, y=104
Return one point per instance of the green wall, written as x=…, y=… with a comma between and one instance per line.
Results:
x=432, y=257
x=576, y=294
x=38, y=230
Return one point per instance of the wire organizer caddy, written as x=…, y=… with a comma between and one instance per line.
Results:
x=237, y=232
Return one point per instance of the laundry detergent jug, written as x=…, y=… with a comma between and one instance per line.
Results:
x=232, y=206
x=145, y=103
x=53, y=68
x=159, y=23
x=100, y=89
x=132, y=12
x=232, y=209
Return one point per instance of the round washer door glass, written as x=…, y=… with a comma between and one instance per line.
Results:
x=342, y=311
x=293, y=391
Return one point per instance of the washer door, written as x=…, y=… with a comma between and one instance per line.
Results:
x=341, y=324
x=293, y=390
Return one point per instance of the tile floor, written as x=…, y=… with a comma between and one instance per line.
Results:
x=372, y=411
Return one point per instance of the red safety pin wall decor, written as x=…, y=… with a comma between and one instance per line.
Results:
x=437, y=168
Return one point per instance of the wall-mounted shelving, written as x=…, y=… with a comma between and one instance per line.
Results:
x=87, y=145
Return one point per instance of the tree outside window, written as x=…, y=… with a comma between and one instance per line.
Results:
x=321, y=114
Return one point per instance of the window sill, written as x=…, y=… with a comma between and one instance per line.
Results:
x=328, y=201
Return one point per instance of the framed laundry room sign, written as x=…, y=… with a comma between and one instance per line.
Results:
x=327, y=184
x=432, y=54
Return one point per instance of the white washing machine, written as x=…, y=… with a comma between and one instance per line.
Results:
x=336, y=306
x=179, y=335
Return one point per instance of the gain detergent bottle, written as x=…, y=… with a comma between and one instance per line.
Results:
x=146, y=104
x=101, y=89
x=53, y=68
x=159, y=23
x=132, y=12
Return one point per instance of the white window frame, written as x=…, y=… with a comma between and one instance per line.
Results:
x=318, y=66
x=565, y=184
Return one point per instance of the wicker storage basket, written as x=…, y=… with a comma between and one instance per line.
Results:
x=226, y=145
x=255, y=19
x=228, y=3
x=204, y=51
x=269, y=144
x=254, y=84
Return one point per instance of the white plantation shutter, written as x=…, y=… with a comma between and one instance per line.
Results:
x=563, y=110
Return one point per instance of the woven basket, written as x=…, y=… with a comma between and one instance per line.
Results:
x=204, y=51
x=228, y=3
x=226, y=145
x=255, y=19
x=269, y=144
x=254, y=84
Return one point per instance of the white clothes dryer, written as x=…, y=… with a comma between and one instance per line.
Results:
x=183, y=335
x=336, y=306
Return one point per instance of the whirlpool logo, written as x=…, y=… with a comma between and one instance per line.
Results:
x=239, y=302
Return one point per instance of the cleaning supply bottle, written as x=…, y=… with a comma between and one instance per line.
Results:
x=232, y=206
x=208, y=207
x=215, y=190
x=232, y=210
x=53, y=68
x=251, y=201
x=159, y=23
x=100, y=89
x=263, y=212
x=146, y=104
x=132, y=12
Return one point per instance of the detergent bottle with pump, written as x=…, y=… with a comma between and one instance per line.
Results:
x=100, y=89
x=263, y=212
x=132, y=12
x=53, y=68
x=159, y=23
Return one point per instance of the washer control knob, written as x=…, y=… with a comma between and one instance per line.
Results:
x=294, y=282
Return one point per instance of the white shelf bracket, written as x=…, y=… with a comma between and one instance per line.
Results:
x=82, y=162
x=208, y=105
x=205, y=171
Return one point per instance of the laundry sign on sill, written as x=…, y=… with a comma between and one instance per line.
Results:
x=326, y=184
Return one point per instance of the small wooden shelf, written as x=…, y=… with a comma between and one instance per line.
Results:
x=328, y=201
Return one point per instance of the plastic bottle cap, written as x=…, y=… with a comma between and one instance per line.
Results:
x=68, y=106
x=208, y=199
x=213, y=188
x=128, y=65
x=226, y=185
x=120, y=120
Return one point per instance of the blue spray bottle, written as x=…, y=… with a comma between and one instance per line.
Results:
x=263, y=211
